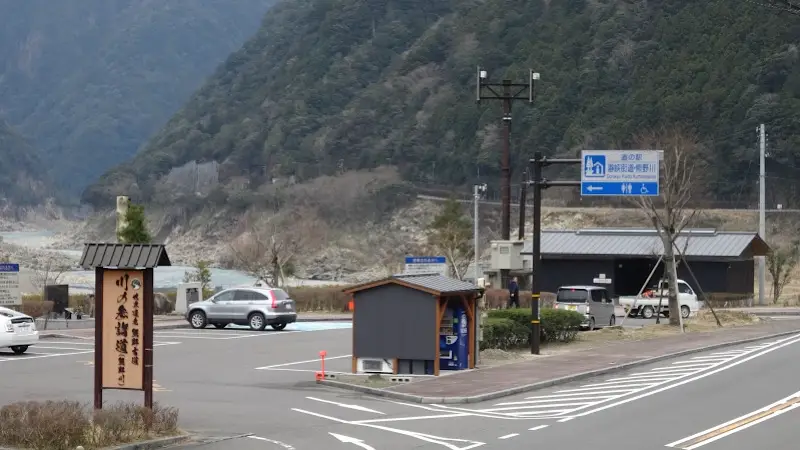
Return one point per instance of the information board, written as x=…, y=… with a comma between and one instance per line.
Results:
x=9, y=285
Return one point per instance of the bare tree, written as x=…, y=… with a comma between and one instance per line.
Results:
x=781, y=262
x=670, y=213
x=270, y=245
x=451, y=234
x=47, y=272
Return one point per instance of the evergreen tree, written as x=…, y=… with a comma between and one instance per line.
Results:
x=135, y=230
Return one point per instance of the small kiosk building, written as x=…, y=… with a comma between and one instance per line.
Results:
x=414, y=325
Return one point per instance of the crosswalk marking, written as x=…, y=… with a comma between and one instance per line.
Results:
x=563, y=404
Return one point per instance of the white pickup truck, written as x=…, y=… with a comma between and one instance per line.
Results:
x=647, y=304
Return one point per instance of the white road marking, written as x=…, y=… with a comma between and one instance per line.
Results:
x=538, y=427
x=272, y=441
x=689, y=380
x=345, y=405
x=508, y=436
x=351, y=440
x=423, y=437
x=310, y=370
x=402, y=419
x=744, y=426
x=302, y=362
x=70, y=351
x=567, y=403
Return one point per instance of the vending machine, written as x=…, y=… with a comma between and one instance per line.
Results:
x=453, y=335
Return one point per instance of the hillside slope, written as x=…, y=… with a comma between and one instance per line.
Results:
x=90, y=80
x=328, y=85
x=22, y=172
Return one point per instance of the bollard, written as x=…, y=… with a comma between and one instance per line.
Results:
x=321, y=374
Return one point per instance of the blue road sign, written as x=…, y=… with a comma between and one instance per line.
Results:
x=628, y=173
x=8, y=267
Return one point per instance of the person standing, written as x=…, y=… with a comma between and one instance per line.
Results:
x=513, y=292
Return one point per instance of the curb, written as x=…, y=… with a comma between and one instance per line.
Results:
x=143, y=445
x=326, y=319
x=542, y=384
x=153, y=443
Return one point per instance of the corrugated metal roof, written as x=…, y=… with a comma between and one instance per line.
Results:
x=438, y=283
x=644, y=242
x=432, y=282
x=124, y=256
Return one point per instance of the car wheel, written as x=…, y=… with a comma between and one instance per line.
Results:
x=278, y=326
x=685, y=312
x=257, y=321
x=198, y=319
x=648, y=312
x=19, y=349
x=220, y=325
x=612, y=321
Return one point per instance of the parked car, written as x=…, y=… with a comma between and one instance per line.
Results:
x=591, y=301
x=17, y=331
x=254, y=306
x=648, y=302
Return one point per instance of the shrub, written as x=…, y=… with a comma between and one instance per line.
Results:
x=64, y=425
x=319, y=298
x=36, y=308
x=556, y=325
x=504, y=334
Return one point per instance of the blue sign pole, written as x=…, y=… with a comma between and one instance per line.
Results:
x=620, y=173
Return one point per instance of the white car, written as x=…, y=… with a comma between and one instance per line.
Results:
x=17, y=331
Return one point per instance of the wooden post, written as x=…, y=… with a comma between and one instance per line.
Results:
x=98, y=338
x=148, y=338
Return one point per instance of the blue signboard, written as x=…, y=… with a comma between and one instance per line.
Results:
x=7, y=267
x=628, y=173
x=426, y=264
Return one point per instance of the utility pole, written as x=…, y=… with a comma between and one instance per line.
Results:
x=523, y=194
x=510, y=92
x=477, y=190
x=762, y=231
x=539, y=184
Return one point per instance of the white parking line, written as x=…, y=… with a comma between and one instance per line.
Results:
x=301, y=362
x=508, y=436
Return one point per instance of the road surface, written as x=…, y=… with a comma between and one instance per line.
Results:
x=243, y=390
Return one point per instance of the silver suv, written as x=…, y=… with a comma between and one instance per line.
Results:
x=253, y=306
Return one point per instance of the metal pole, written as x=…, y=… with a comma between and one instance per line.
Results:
x=475, y=224
x=536, y=328
x=506, y=162
x=761, y=213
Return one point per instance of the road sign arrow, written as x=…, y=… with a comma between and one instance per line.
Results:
x=594, y=188
x=345, y=405
x=351, y=440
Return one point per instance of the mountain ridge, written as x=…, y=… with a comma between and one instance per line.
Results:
x=88, y=81
x=327, y=86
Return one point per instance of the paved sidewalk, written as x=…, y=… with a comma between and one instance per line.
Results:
x=515, y=377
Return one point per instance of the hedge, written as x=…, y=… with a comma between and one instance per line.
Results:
x=510, y=328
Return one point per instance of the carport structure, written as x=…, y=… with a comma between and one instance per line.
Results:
x=396, y=321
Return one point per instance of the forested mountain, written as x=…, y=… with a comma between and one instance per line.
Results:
x=23, y=174
x=88, y=81
x=328, y=85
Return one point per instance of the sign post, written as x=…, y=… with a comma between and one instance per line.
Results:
x=9, y=285
x=426, y=264
x=123, y=354
x=620, y=173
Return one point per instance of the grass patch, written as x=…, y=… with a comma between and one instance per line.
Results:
x=64, y=425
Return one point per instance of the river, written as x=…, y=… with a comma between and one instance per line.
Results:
x=164, y=277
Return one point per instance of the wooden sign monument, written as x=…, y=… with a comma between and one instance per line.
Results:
x=123, y=355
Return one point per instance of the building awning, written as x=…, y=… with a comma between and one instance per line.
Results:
x=697, y=243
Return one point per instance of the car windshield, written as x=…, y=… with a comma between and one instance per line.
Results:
x=572, y=296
